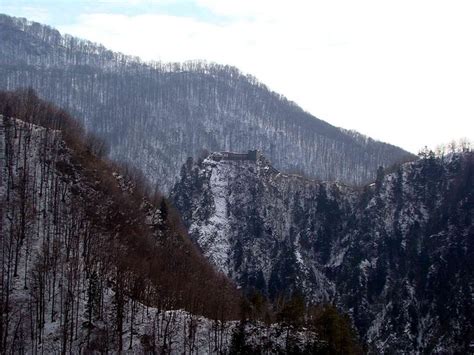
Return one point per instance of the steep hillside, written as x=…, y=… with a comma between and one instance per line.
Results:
x=397, y=254
x=407, y=260
x=88, y=260
x=156, y=115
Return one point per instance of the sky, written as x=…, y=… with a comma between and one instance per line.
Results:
x=398, y=71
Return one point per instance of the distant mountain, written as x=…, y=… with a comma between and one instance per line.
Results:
x=155, y=115
x=396, y=254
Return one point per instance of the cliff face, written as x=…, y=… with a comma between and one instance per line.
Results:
x=397, y=254
x=251, y=221
x=154, y=116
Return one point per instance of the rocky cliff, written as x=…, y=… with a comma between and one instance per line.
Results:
x=396, y=254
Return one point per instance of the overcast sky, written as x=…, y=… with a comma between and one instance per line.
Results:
x=399, y=71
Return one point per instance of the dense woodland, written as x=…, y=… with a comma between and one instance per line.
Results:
x=75, y=229
x=156, y=115
x=93, y=260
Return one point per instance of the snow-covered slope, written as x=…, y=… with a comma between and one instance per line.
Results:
x=397, y=254
x=156, y=115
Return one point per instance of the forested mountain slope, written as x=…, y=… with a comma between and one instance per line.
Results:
x=396, y=254
x=92, y=262
x=156, y=115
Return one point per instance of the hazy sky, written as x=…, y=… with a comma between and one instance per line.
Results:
x=399, y=71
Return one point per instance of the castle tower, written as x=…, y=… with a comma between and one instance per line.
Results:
x=253, y=155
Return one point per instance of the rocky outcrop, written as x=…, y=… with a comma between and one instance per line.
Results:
x=395, y=254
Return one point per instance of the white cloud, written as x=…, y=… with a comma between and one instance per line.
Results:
x=398, y=71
